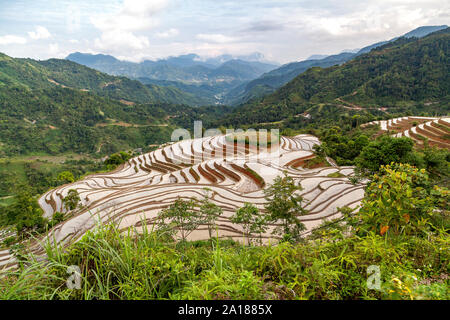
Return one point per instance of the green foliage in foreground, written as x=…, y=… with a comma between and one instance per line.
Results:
x=123, y=267
x=284, y=204
x=402, y=200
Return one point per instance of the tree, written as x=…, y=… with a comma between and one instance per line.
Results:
x=250, y=219
x=66, y=177
x=284, y=204
x=180, y=216
x=209, y=211
x=118, y=158
x=72, y=200
x=437, y=162
x=25, y=213
x=384, y=151
x=401, y=199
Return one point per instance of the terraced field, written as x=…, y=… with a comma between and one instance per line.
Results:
x=234, y=172
x=435, y=130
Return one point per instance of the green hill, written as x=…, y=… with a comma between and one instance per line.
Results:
x=408, y=72
x=57, y=106
x=270, y=81
x=55, y=72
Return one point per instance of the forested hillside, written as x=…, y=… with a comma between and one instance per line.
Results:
x=276, y=78
x=406, y=73
x=56, y=72
x=57, y=106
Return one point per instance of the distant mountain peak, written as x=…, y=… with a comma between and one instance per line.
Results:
x=423, y=31
x=317, y=56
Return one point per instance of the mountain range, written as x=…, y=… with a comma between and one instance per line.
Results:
x=56, y=105
x=400, y=74
x=206, y=79
x=276, y=78
x=225, y=79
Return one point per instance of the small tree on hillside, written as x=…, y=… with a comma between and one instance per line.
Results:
x=180, y=216
x=209, y=212
x=72, y=200
x=250, y=219
x=25, y=214
x=284, y=205
x=66, y=177
x=401, y=200
x=384, y=151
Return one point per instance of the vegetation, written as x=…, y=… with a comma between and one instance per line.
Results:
x=209, y=212
x=25, y=213
x=331, y=264
x=55, y=107
x=402, y=200
x=285, y=205
x=67, y=74
x=24, y=180
x=180, y=218
x=254, y=138
x=251, y=220
x=71, y=200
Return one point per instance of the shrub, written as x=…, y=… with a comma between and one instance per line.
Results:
x=401, y=200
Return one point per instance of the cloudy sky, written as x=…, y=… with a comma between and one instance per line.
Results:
x=284, y=30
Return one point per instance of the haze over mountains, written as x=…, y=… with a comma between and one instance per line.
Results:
x=189, y=68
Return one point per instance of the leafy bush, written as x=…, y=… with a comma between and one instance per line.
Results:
x=401, y=200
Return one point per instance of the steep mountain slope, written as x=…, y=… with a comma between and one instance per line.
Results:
x=405, y=72
x=190, y=73
x=45, y=108
x=204, y=93
x=274, y=79
x=55, y=72
x=268, y=82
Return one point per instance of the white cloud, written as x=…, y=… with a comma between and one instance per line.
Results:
x=39, y=33
x=53, y=48
x=11, y=39
x=288, y=30
x=215, y=38
x=143, y=7
x=135, y=15
x=121, y=40
x=168, y=34
x=120, y=31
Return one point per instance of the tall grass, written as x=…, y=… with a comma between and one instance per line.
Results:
x=148, y=265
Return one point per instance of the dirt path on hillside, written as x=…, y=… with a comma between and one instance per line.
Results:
x=127, y=125
x=352, y=106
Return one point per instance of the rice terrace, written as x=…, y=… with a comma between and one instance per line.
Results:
x=233, y=173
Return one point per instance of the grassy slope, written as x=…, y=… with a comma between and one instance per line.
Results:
x=123, y=267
